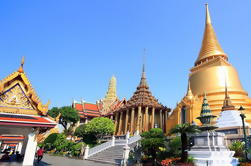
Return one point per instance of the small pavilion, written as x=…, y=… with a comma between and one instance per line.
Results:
x=22, y=115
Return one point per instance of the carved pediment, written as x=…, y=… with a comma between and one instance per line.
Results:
x=15, y=97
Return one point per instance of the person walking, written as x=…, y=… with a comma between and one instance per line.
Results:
x=40, y=154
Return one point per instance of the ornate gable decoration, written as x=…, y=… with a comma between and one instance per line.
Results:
x=15, y=98
x=17, y=95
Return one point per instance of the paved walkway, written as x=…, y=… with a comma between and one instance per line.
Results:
x=58, y=161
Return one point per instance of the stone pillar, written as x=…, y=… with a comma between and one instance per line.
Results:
x=132, y=121
x=146, y=119
x=126, y=152
x=30, y=149
x=113, y=140
x=126, y=121
x=160, y=119
x=152, y=120
x=139, y=120
x=86, y=152
x=19, y=148
x=120, y=123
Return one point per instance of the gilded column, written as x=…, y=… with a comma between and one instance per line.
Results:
x=139, y=119
x=126, y=121
x=160, y=119
x=120, y=123
x=152, y=120
x=132, y=121
x=165, y=122
x=146, y=119
x=116, y=123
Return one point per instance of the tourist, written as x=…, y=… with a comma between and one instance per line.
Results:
x=18, y=156
x=40, y=154
x=5, y=157
x=13, y=156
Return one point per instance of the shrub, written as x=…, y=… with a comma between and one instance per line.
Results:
x=95, y=129
x=238, y=147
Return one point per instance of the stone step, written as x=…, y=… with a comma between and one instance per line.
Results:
x=104, y=161
x=112, y=155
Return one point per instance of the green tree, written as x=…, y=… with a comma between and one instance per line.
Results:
x=152, y=142
x=54, y=112
x=49, y=141
x=68, y=115
x=183, y=130
x=87, y=137
x=100, y=127
x=61, y=144
x=238, y=147
x=174, y=147
x=95, y=129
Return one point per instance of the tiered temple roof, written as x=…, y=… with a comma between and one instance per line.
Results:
x=19, y=103
x=143, y=96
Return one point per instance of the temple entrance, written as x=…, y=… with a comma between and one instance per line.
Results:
x=22, y=118
x=16, y=141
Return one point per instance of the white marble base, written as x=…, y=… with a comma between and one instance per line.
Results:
x=213, y=158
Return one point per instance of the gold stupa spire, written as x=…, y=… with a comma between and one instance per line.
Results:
x=227, y=104
x=189, y=91
x=210, y=45
x=21, y=70
x=111, y=93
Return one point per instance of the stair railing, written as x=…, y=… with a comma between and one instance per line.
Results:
x=134, y=139
x=99, y=148
x=129, y=140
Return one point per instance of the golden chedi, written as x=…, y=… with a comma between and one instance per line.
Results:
x=211, y=72
x=111, y=94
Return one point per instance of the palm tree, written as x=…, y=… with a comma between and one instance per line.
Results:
x=183, y=130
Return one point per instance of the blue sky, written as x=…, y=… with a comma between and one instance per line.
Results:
x=72, y=48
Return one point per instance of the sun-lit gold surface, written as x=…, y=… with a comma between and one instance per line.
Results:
x=211, y=74
x=210, y=45
x=18, y=96
x=111, y=94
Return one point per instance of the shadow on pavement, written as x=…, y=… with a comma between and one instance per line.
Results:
x=41, y=163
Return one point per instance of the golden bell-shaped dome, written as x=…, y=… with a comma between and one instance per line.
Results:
x=212, y=70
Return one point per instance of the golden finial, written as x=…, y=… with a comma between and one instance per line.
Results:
x=210, y=45
x=189, y=91
x=227, y=104
x=208, y=18
x=21, y=70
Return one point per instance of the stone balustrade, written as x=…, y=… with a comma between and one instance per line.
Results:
x=113, y=142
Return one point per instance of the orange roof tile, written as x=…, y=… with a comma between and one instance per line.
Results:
x=89, y=106
x=79, y=107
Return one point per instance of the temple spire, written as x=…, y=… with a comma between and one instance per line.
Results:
x=227, y=104
x=206, y=117
x=143, y=82
x=21, y=70
x=210, y=46
x=208, y=18
x=189, y=91
x=111, y=92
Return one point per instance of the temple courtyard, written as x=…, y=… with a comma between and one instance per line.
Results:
x=56, y=160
